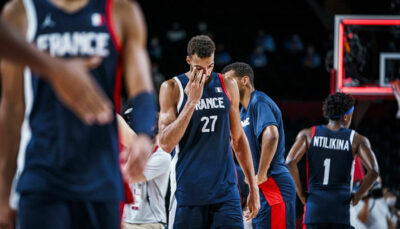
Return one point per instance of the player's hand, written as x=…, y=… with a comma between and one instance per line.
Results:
x=194, y=89
x=253, y=203
x=135, y=157
x=356, y=198
x=303, y=198
x=75, y=87
x=7, y=216
x=261, y=178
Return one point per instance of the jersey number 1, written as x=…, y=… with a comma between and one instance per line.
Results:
x=206, y=128
x=327, y=165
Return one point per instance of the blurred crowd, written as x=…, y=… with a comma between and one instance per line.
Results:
x=298, y=63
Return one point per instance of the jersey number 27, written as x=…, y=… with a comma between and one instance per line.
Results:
x=208, y=128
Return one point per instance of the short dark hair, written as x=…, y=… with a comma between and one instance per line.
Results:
x=337, y=104
x=201, y=45
x=241, y=69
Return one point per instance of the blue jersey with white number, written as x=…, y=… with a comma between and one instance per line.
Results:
x=330, y=169
x=262, y=112
x=203, y=171
x=63, y=156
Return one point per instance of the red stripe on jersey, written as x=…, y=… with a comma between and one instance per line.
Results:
x=358, y=170
x=110, y=25
x=313, y=132
x=155, y=149
x=304, y=211
x=312, y=136
x=304, y=217
x=223, y=86
x=118, y=46
x=274, y=198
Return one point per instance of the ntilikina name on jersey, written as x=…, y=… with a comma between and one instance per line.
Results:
x=331, y=143
x=74, y=44
x=210, y=103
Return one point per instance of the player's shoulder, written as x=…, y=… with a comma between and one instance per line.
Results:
x=162, y=154
x=127, y=11
x=170, y=87
x=260, y=99
x=125, y=6
x=128, y=16
x=169, y=84
x=360, y=139
x=229, y=83
x=306, y=132
x=14, y=13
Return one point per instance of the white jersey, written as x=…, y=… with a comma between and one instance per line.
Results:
x=149, y=196
x=378, y=215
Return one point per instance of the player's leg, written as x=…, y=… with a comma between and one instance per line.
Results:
x=226, y=215
x=273, y=210
x=290, y=214
x=328, y=226
x=263, y=218
x=40, y=211
x=287, y=189
x=100, y=215
x=189, y=217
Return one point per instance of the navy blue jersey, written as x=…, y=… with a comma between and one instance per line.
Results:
x=330, y=163
x=262, y=112
x=65, y=157
x=203, y=171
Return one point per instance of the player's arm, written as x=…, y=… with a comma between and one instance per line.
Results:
x=131, y=32
x=270, y=138
x=297, y=151
x=363, y=215
x=362, y=148
x=156, y=165
x=390, y=223
x=12, y=109
x=126, y=134
x=171, y=125
x=242, y=148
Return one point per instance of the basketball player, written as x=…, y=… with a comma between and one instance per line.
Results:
x=71, y=176
x=330, y=150
x=263, y=125
x=69, y=78
x=199, y=112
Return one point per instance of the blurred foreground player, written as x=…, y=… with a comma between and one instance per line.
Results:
x=71, y=176
x=330, y=150
x=69, y=78
x=263, y=125
x=199, y=113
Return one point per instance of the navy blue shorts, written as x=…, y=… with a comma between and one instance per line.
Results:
x=328, y=226
x=222, y=215
x=40, y=211
x=277, y=203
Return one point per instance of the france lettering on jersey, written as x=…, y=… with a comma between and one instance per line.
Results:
x=202, y=169
x=330, y=167
x=63, y=156
x=262, y=112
